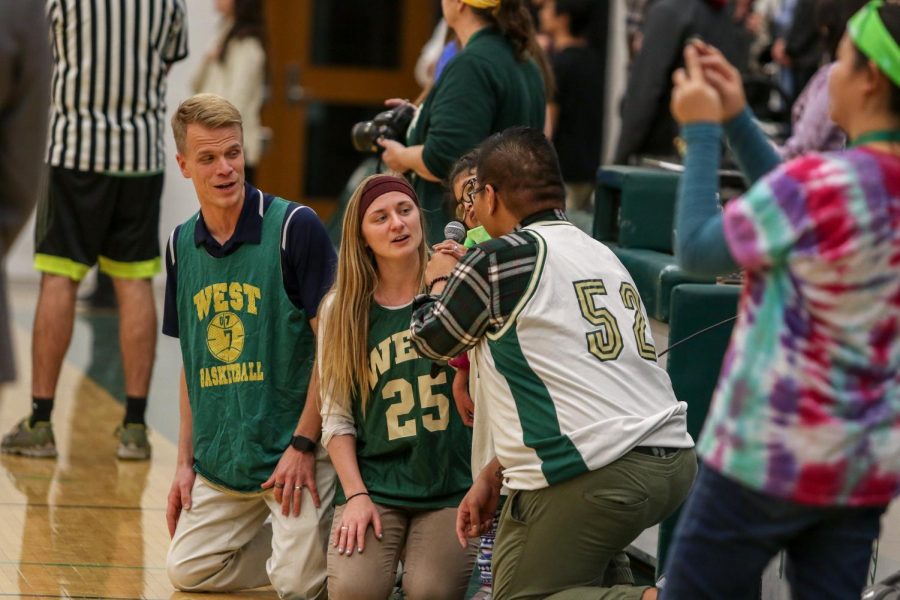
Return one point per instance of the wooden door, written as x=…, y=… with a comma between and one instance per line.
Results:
x=332, y=63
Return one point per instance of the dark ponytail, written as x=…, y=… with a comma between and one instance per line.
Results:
x=515, y=23
x=890, y=16
x=249, y=21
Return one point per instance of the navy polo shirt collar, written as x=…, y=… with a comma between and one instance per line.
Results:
x=247, y=231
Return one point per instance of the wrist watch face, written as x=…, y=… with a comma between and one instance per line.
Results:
x=302, y=444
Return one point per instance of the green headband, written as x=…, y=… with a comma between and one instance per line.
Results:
x=868, y=32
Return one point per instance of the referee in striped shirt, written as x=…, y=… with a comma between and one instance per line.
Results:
x=105, y=152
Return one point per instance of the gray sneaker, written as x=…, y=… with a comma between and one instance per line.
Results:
x=133, y=442
x=36, y=441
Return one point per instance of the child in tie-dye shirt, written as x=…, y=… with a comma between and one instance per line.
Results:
x=801, y=449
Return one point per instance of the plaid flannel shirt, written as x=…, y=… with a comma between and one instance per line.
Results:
x=482, y=292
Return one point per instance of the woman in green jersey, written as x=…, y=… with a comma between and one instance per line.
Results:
x=401, y=452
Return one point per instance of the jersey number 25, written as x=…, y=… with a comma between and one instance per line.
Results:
x=399, y=422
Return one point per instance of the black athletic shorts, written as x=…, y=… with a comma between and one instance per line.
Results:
x=87, y=218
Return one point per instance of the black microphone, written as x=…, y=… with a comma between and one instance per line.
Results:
x=456, y=231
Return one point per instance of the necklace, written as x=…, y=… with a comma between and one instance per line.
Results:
x=879, y=135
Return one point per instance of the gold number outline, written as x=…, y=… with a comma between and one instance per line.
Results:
x=631, y=299
x=605, y=343
x=427, y=399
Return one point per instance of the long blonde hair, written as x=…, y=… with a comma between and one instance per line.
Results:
x=344, y=358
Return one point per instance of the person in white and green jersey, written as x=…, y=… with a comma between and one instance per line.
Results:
x=588, y=434
x=400, y=450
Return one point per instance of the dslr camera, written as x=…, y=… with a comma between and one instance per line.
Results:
x=390, y=124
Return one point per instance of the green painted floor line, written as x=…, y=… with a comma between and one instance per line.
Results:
x=79, y=565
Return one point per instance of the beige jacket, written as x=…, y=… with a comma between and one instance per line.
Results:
x=240, y=79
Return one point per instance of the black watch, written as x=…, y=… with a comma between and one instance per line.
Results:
x=303, y=444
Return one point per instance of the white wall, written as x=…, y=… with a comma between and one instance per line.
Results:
x=178, y=201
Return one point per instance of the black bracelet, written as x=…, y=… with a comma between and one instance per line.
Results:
x=352, y=496
x=436, y=279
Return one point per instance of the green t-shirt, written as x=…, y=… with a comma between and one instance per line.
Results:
x=475, y=236
x=248, y=353
x=411, y=446
x=483, y=90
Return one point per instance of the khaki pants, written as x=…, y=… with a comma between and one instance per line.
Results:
x=558, y=541
x=224, y=543
x=435, y=566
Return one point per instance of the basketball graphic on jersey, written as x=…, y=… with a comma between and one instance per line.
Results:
x=225, y=337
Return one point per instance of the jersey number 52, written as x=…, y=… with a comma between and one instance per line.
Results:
x=605, y=343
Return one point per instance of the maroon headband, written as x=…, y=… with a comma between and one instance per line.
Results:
x=380, y=185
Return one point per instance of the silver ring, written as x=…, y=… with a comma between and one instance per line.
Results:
x=298, y=487
x=344, y=528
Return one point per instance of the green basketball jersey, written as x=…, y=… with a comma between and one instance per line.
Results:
x=412, y=448
x=248, y=353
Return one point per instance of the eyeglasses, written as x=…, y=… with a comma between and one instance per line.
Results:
x=467, y=187
x=474, y=192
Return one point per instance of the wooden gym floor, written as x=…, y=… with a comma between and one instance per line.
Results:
x=87, y=525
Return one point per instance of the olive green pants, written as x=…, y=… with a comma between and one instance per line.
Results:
x=558, y=541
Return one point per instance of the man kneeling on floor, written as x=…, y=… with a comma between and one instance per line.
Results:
x=588, y=434
x=245, y=277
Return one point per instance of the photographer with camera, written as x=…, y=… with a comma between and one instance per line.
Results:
x=390, y=124
x=500, y=79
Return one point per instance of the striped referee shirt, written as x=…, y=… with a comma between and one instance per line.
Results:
x=109, y=82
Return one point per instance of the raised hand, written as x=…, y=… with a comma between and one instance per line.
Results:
x=450, y=247
x=724, y=77
x=694, y=99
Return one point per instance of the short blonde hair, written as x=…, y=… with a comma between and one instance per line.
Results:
x=209, y=110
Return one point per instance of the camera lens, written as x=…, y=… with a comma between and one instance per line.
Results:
x=363, y=136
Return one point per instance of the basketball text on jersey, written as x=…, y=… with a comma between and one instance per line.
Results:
x=225, y=332
x=215, y=296
x=380, y=359
x=402, y=394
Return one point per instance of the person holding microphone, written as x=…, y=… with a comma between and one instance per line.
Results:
x=588, y=435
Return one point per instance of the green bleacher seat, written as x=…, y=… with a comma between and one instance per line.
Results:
x=646, y=221
x=694, y=365
x=655, y=274
x=634, y=209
